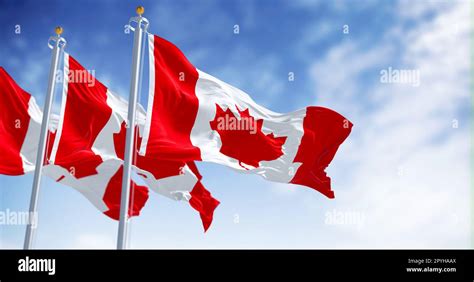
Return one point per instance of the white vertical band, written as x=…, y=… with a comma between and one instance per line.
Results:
x=151, y=93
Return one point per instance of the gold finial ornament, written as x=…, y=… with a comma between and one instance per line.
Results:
x=58, y=30
x=140, y=10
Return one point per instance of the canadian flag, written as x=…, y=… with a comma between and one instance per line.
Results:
x=85, y=146
x=192, y=115
x=90, y=140
x=20, y=124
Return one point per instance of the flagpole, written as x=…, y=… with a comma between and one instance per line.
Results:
x=56, y=43
x=142, y=25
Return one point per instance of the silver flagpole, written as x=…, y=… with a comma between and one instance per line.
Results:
x=57, y=44
x=142, y=25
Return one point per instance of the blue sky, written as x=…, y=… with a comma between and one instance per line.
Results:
x=403, y=174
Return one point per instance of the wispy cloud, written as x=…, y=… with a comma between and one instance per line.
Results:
x=410, y=145
x=404, y=168
x=94, y=241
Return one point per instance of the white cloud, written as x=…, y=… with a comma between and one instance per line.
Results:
x=409, y=9
x=315, y=33
x=340, y=6
x=183, y=17
x=94, y=241
x=410, y=167
x=337, y=76
x=6, y=245
x=284, y=189
x=261, y=77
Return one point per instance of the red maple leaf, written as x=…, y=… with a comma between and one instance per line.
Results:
x=242, y=138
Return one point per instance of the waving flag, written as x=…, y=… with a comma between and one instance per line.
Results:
x=86, y=146
x=90, y=140
x=20, y=123
x=20, y=119
x=83, y=153
x=194, y=116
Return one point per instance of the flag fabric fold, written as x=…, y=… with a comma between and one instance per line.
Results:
x=20, y=119
x=20, y=124
x=194, y=116
x=191, y=116
x=85, y=146
x=91, y=135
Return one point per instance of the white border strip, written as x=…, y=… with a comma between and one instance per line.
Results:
x=151, y=94
x=59, y=131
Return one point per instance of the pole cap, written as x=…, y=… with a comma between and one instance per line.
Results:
x=140, y=10
x=58, y=30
